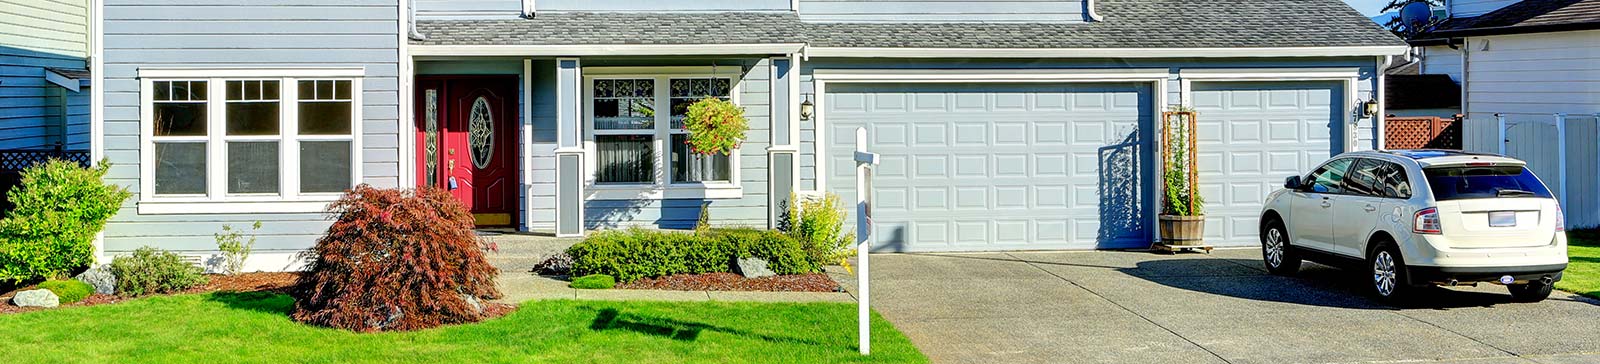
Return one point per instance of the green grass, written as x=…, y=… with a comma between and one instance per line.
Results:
x=1583, y=267
x=255, y=328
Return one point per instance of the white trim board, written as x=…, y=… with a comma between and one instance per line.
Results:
x=231, y=72
x=883, y=52
x=604, y=49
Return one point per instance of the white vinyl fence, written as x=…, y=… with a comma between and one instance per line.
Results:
x=1563, y=149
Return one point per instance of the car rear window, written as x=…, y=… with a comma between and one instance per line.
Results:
x=1469, y=182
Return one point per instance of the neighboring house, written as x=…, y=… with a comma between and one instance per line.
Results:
x=44, y=84
x=1003, y=125
x=1528, y=61
x=1407, y=93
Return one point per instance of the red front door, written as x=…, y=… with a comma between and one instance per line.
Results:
x=466, y=142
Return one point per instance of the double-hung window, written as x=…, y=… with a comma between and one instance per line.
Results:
x=247, y=142
x=637, y=140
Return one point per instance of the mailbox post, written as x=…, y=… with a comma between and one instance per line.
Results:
x=864, y=162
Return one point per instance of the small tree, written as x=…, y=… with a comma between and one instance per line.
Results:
x=235, y=248
x=395, y=260
x=60, y=206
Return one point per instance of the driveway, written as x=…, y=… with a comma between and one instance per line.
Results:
x=1136, y=307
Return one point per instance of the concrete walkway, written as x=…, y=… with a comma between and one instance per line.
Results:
x=1136, y=307
x=518, y=253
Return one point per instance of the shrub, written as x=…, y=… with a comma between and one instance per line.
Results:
x=819, y=227
x=632, y=254
x=60, y=206
x=235, y=248
x=69, y=291
x=395, y=260
x=594, y=281
x=150, y=270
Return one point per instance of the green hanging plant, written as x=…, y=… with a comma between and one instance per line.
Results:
x=715, y=126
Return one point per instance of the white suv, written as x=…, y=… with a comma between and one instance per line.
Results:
x=1420, y=217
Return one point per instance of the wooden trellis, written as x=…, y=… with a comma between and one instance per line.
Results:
x=1184, y=124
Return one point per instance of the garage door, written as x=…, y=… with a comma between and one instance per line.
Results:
x=1253, y=135
x=998, y=167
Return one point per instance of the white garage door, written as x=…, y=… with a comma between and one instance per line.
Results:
x=998, y=167
x=1252, y=136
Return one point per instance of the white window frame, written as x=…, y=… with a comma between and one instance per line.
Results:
x=216, y=200
x=662, y=187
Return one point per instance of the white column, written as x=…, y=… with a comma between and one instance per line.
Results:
x=1561, y=154
x=570, y=174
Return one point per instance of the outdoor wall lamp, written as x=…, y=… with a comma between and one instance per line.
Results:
x=807, y=109
x=1369, y=108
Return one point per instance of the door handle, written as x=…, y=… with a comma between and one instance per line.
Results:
x=1371, y=208
x=1326, y=204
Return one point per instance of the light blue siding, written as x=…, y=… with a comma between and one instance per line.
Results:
x=659, y=5
x=467, y=9
x=257, y=34
x=936, y=11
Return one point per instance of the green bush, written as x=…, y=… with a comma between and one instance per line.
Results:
x=819, y=227
x=60, y=206
x=594, y=281
x=150, y=270
x=70, y=291
x=632, y=254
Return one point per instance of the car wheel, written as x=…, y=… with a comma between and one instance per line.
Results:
x=1275, y=252
x=1531, y=292
x=1388, y=273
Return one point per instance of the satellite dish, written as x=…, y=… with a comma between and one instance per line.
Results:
x=1416, y=15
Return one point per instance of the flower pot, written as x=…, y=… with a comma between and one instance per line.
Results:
x=1183, y=230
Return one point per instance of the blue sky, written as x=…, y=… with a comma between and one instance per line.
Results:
x=1368, y=7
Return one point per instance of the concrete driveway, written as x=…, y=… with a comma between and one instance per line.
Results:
x=1136, y=307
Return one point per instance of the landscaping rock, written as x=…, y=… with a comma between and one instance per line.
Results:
x=476, y=305
x=100, y=278
x=754, y=268
x=36, y=298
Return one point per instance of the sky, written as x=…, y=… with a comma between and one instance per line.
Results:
x=1368, y=7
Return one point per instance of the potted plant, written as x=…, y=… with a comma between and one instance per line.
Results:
x=1183, y=218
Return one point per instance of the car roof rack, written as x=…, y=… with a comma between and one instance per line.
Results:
x=1434, y=153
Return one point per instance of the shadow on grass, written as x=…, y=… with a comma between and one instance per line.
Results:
x=613, y=319
x=267, y=302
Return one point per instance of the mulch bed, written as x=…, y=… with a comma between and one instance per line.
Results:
x=815, y=282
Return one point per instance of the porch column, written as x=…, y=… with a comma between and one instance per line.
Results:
x=782, y=165
x=569, y=148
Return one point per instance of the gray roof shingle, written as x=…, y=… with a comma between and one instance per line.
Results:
x=1525, y=17
x=1128, y=24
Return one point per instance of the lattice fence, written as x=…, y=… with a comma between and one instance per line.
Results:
x=1422, y=133
x=12, y=162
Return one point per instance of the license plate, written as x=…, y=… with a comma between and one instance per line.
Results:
x=1503, y=219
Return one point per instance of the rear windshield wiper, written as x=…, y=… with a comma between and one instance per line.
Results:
x=1506, y=192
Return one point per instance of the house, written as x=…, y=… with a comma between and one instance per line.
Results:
x=1527, y=62
x=1003, y=125
x=44, y=84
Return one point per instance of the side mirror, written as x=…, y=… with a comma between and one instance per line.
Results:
x=1292, y=183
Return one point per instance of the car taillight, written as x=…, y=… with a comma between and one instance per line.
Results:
x=1426, y=221
x=1561, y=219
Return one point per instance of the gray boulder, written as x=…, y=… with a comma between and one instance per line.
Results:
x=476, y=305
x=36, y=298
x=754, y=268
x=100, y=278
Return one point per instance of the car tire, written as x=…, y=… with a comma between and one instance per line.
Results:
x=1387, y=273
x=1275, y=252
x=1530, y=292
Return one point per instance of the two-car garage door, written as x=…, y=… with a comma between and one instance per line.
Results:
x=1060, y=166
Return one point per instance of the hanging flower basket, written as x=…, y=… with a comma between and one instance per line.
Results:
x=715, y=126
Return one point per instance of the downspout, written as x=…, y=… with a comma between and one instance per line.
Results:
x=1088, y=6
x=1381, y=119
x=97, y=103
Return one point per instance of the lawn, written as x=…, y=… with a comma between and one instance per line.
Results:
x=255, y=328
x=1583, y=267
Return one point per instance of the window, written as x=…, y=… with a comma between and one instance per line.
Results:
x=1471, y=182
x=635, y=146
x=1377, y=178
x=248, y=139
x=1330, y=177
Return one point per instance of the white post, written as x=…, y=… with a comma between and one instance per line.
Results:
x=1561, y=154
x=1501, y=141
x=864, y=162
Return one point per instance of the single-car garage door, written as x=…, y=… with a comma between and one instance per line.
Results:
x=998, y=166
x=1254, y=134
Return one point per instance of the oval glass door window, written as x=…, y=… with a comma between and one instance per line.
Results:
x=480, y=133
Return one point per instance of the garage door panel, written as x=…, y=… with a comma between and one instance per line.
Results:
x=1264, y=131
x=998, y=166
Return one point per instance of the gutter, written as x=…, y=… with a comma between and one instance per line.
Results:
x=1446, y=35
x=1088, y=6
